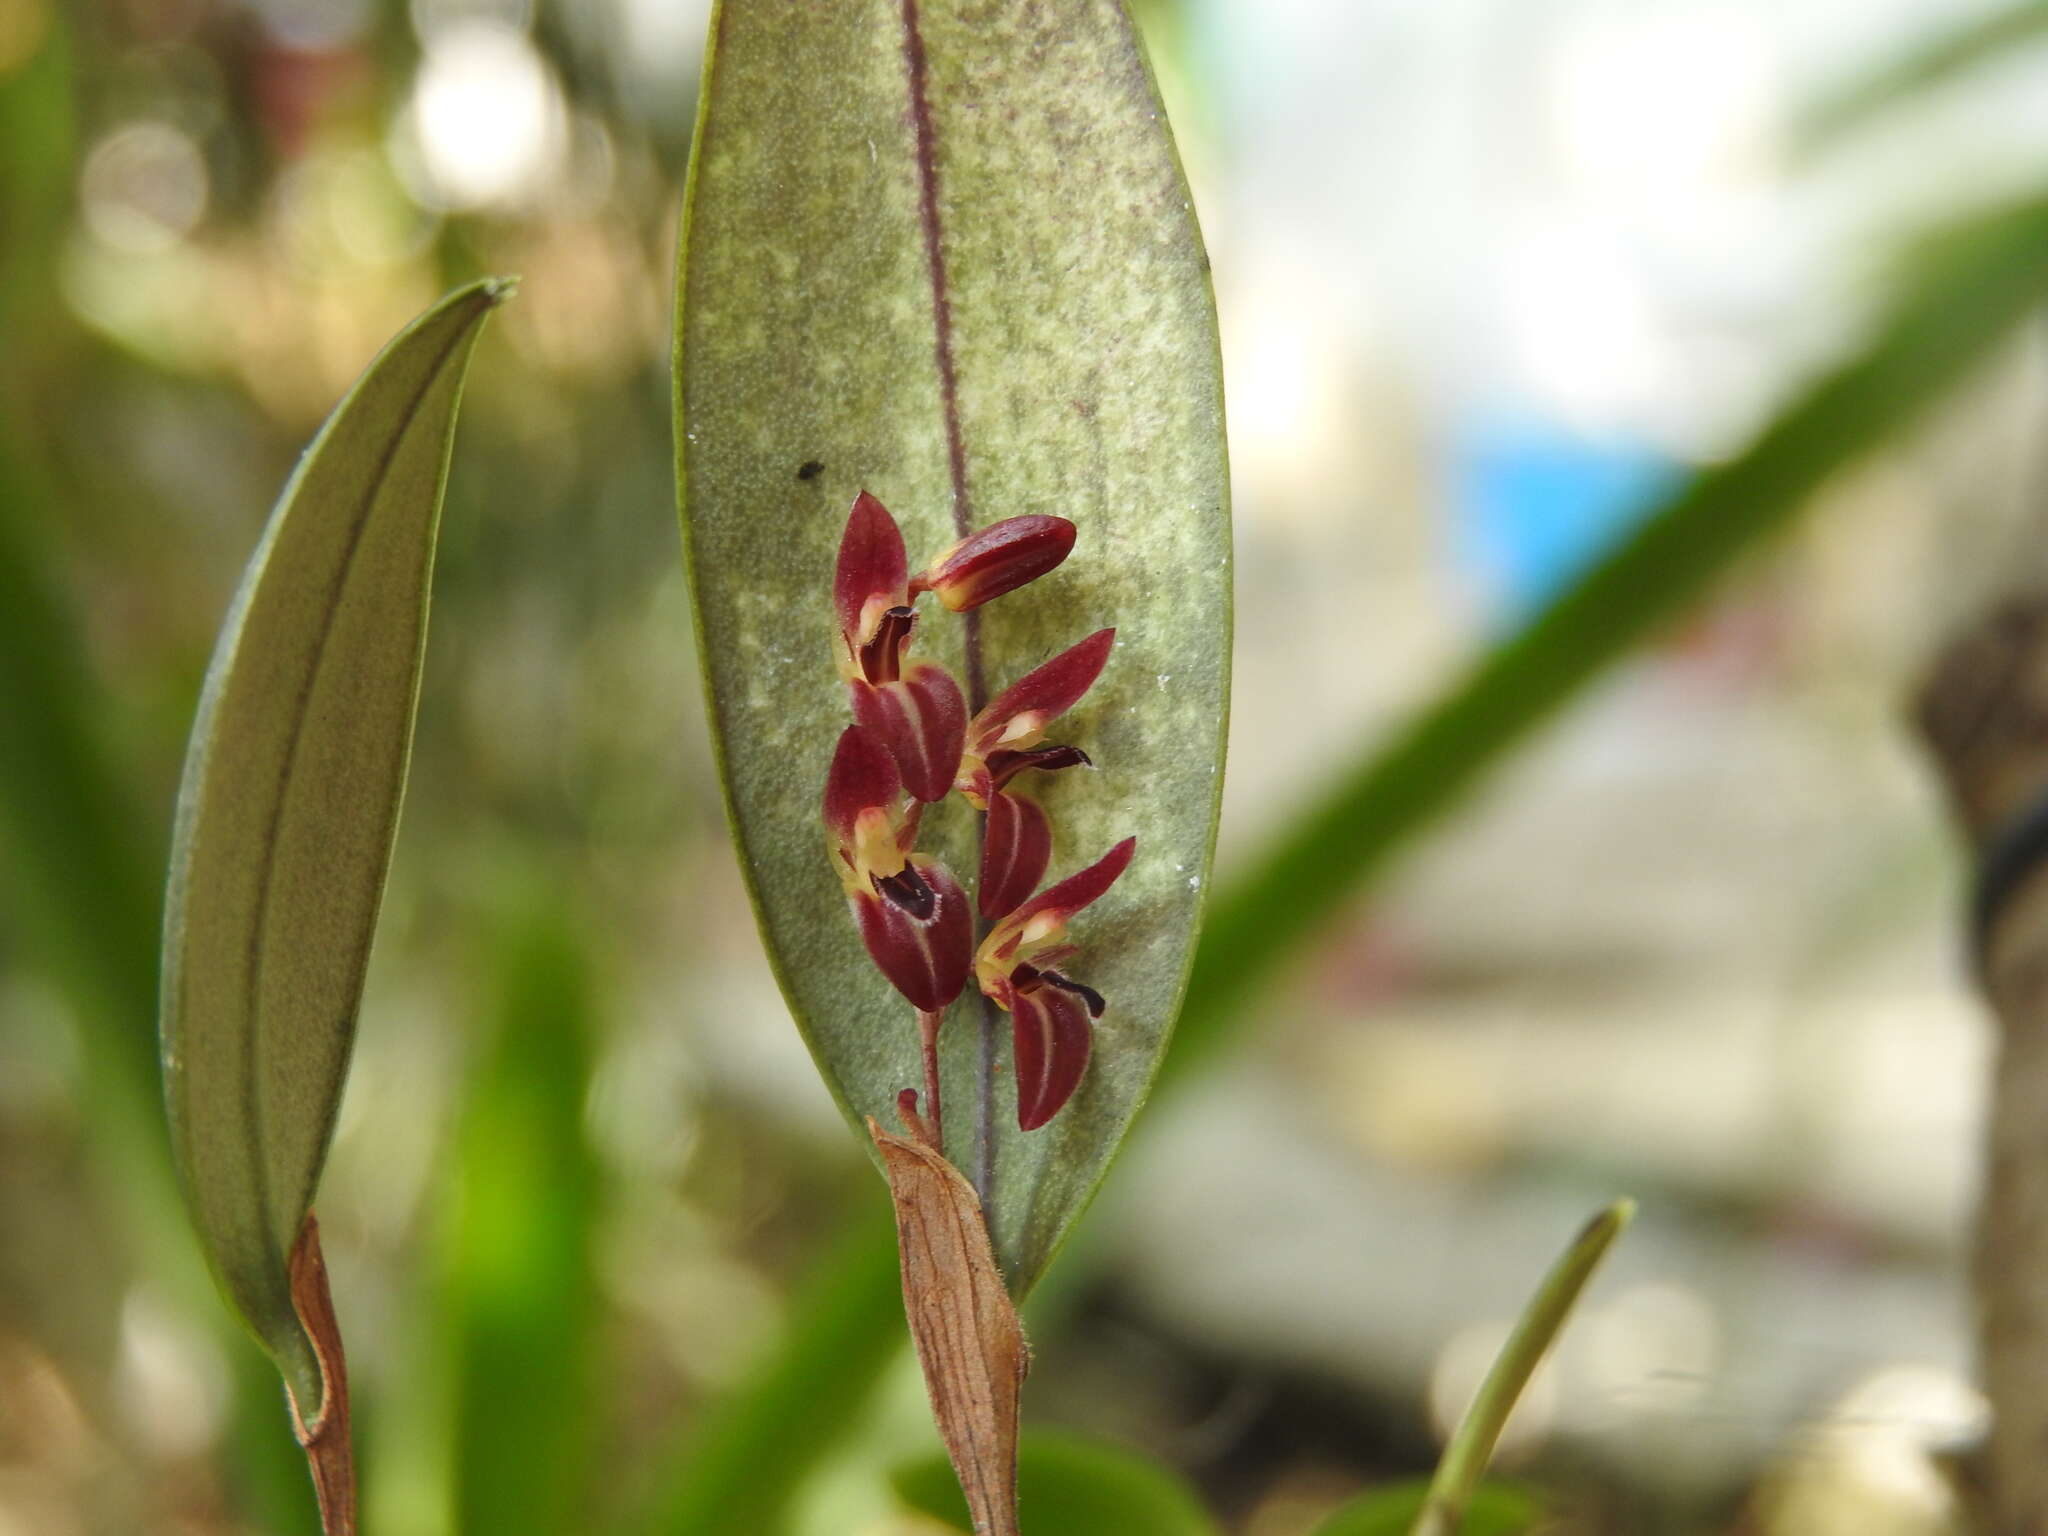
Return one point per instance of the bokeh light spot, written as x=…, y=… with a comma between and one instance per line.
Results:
x=487, y=118
x=144, y=187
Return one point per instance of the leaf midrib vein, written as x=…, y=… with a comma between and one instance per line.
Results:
x=925, y=130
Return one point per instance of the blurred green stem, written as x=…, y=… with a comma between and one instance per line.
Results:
x=1471, y=1445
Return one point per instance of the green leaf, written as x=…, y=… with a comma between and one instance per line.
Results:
x=1497, y=1509
x=287, y=813
x=1069, y=1484
x=1471, y=1444
x=1958, y=304
x=947, y=255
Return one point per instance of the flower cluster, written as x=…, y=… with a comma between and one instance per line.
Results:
x=911, y=744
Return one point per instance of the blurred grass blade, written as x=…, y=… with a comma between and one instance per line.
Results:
x=1495, y=1509
x=76, y=866
x=1072, y=1485
x=747, y=1463
x=286, y=817
x=75, y=863
x=520, y=1299
x=1971, y=44
x=1471, y=1444
x=1962, y=298
x=977, y=291
x=1963, y=295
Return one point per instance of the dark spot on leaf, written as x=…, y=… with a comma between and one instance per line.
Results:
x=810, y=469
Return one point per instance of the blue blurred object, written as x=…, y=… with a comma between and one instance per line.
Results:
x=1534, y=504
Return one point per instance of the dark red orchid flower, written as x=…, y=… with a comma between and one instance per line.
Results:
x=922, y=718
x=915, y=709
x=911, y=742
x=1003, y=739
x=912, y=914
x=1051, y=1015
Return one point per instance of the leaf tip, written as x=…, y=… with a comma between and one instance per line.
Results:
x=1608, y=1224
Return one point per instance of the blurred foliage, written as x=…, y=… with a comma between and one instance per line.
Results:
x=1084, y=1487
x=520, y=1231
x=1972, y=43
x=1497, y=1509
x=558, y=965
x=747, y=1462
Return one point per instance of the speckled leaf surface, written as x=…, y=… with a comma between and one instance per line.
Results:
x=287, y=812
x=943, y=251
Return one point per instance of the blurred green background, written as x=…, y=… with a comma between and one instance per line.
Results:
x=1507, y=290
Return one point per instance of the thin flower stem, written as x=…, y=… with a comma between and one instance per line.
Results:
x=928, y=1025
x=985, y=1162
x=985, y=1094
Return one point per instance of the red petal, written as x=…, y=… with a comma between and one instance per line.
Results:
x=1077, y=890
x=1014, y=852
x=1050, y=1035
x=1042, y=693
x=927, y=959
x=923, y=720
x=863, y=774
x=872, y=566
x=997, y=559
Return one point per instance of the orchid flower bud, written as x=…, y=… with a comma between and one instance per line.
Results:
x=997, y=559
x=870, y=585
